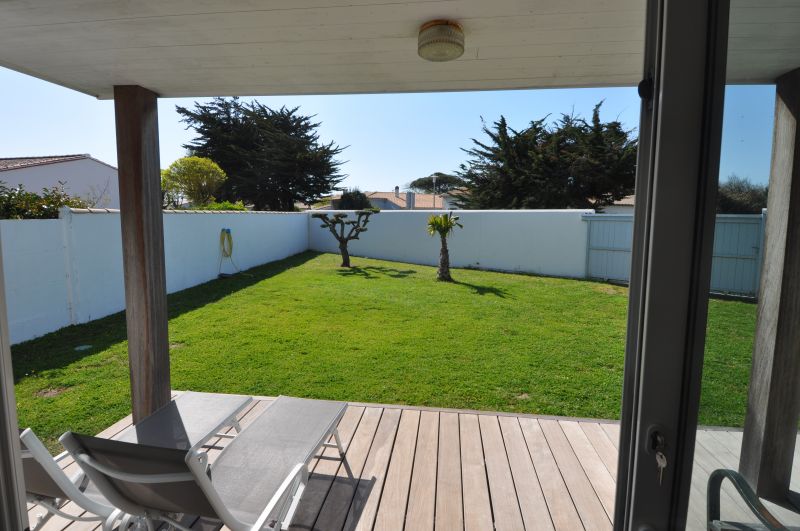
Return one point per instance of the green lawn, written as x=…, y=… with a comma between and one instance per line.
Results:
x=381, y=332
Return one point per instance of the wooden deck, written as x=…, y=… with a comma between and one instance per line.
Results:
x=423, y=469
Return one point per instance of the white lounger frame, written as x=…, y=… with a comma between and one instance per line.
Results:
x=281, y=506
x=71, y=486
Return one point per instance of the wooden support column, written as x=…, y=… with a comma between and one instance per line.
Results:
x=773, y=406
x=136, y=112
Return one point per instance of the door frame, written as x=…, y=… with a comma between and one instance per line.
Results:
x=677, y=174
x=13, y=507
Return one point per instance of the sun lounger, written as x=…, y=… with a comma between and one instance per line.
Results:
x=255, y=483
x=189, y=421
x=48, y=486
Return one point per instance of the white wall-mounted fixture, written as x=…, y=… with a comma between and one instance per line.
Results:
x=440, y=40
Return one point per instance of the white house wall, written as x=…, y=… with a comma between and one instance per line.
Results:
x=84, y=178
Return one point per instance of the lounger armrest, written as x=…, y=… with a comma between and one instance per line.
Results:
x=67, y=485
x=60, y=457
x=296, y=472
x=745, y=491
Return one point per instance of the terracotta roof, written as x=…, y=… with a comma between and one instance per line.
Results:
x=421, y=201
x=15, y=163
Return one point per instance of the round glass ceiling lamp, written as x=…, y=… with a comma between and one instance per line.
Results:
x=441, y=40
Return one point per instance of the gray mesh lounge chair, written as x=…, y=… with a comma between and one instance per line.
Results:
x=48, y=486
x=255, y=483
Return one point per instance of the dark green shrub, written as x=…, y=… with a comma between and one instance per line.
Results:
x=223, y=205
x=18, y=203
x=353, y=199
x=738, y=195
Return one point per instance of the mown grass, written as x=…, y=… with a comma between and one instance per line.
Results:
x=380, y=332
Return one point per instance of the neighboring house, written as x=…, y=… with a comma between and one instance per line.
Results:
x=82, y=176
x=623, y=206
x=398, y=200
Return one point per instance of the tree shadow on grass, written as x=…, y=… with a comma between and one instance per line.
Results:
x=57, y=349
x=483, y=290
x=375, y=272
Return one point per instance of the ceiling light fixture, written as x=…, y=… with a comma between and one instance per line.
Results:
x=440, y=40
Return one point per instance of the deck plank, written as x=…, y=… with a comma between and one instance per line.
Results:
x=333, y=513
x=696, y=518
x=426, y=468
x=593, y=466
x=321, y=478
x=730, y=459
x=602, y=445
x=422, y=494
x=721, y=457
x=367, y=496
x=448, y=488
x=732, y=506
x=589, y=507
x=612, y=430
x=732, y=440
x=392, y=509
x=562, y=509
x=526, y=480
x=730, y=444
x=505, y=504
x=477, y=504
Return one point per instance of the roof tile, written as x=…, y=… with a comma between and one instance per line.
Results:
x=15, y=163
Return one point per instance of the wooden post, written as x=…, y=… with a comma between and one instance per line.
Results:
x=773, y=406
x=136, y=113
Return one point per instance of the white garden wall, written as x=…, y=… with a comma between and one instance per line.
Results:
x=69, y=271
x=35, y=274
x=544, y=242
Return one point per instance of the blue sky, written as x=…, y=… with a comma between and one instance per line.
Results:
x=392, y=139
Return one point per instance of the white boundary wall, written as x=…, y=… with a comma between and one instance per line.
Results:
x=544, y=242
x=69, y=270
x=36, y=285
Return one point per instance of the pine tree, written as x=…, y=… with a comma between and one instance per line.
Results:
x=569, y=164
x=273, y=157
x=444, y=183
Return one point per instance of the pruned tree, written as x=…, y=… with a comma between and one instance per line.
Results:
x=345, y=230
x=443, y=225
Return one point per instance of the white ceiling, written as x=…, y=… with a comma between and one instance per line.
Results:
x=260, y=47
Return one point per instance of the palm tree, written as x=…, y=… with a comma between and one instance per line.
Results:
x=443, y=225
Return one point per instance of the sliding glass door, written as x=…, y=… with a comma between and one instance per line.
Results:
x=682, y=98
